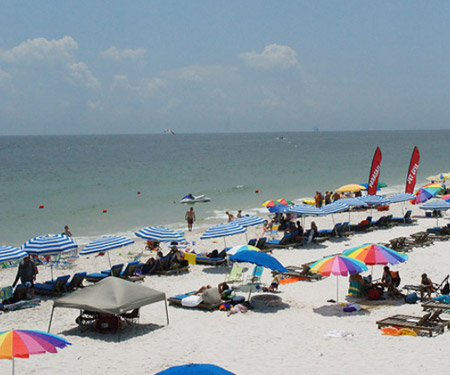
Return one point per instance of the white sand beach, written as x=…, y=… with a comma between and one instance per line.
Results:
x=290, y=339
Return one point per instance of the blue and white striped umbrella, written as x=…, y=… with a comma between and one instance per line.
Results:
x=223, y=230
x=105, y=243
x=49, y=244
x=374, y=200
x=8, y=253
x=248, y=221
x=279, y=208
x=334, y=208
x=401, y=197
x=436, y=205
x=160, y=234
x=305, y=210
x=352, y=202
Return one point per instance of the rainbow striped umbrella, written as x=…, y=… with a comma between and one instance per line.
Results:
x=338, y=265
x=372, y=254
x=22, y=343
x=426, y=192
x=272, y=203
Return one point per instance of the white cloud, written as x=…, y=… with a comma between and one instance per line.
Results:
x=41, y=49
x=273, y=56
x=93, y=105
x=116, y=54
x=80, y=75
x=200, y=73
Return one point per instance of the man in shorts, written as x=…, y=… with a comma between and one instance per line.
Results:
x=190, y=218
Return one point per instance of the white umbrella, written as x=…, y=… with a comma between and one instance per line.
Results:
x=223, y=230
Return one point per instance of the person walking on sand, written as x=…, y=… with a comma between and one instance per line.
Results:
x=190, y=218
x=27, y=272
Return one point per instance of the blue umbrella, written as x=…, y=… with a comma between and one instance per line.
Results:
x=223, y=230
x=334, y=208
x=260, y=259
x=279, y=208
x=374, y=199
x=401, y=197
x=248, y=221
x=438, y=205
x=195, y=369
x=351, y=202
x=9, y=253
x=305, y=210
x=160, y=234
x=49, y=244
x=104, y=244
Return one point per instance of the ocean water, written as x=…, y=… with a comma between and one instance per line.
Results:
x=77, y=177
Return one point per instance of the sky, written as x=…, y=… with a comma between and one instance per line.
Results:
x=132, y=67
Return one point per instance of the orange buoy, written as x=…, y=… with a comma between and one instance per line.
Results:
x=256, y=191
x=41, y=206
x=139, y=192
x=105, y=211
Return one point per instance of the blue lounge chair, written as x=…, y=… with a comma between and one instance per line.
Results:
x=76, y=282
x=57, y=287
x=330, y=232
x=129, y=273
x=114, y=271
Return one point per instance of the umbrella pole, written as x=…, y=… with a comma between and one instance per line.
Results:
x=109, y=259
x=51, y=318
x=13, y=365
x=337, y=290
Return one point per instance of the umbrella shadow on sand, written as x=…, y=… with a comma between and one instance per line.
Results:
x=219, y=270
x=126, y=332
x=337, y=310
x=270, y=309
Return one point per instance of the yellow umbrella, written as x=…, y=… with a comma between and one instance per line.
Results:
x=439, y=177
x=351, y=188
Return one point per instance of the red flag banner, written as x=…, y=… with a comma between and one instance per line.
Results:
x=374, y=173
x=412, y=171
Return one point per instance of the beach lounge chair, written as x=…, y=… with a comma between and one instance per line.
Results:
x=330, y=232
x=210, y=261
x=436, y=305
x=177, y=301
x=406, y=219
x=131, y=317
x=363, y=226
x=114, y=271
x=56, y=288
x=255, y=277
x=261, y=243
x=344, y=230
x=129, y=273
x=76, y=281
x=430, y=322
x=236, y=274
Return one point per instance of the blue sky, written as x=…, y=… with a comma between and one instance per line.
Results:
x=114, y=67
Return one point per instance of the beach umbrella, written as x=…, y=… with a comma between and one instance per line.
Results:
x=439, y=177
x=438, y=205
x=286, y=202
x=379, y=185
x=161, y=234
x=49, y=244
x=223, y=230
x=9, y=253
x=446, y=198
x=350, y=188
x=260, y=259
x=104, y=244
x=334, y=208
x=351, y=202
x=337, y=265
x=305, y=210
x=426, y=192
x=373, y=200
x=195, y=369
x=278, y=209
x=373, y=254
x=236, y=249
x=273, y=203
x=22, y=343
x=400, y=198
x=248, y=221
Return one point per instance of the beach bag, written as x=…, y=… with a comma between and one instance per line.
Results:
x=411, y=298
x=374, y=293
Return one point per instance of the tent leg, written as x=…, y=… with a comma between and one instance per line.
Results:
x=118, y=328
x=167, y=311
x=51, y=318
x=109, y=259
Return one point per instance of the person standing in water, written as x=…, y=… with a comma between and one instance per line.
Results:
x=190, y=218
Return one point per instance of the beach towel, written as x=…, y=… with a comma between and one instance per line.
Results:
x=191, y=258
x=6, y=293
x=191, y=301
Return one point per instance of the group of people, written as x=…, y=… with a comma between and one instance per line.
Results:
x=173, y=260
x=320, y=199
x=390, y=280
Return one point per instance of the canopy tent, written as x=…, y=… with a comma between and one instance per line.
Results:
x=111, y=295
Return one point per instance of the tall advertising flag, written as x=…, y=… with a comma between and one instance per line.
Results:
x=412, y=171
x=374, y=173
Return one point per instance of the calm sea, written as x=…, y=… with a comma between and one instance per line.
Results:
x=75, y=178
